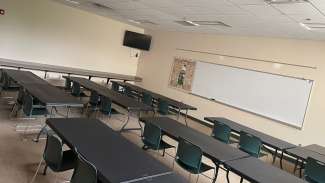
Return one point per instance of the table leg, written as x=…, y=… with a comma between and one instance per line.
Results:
x=281, y=159
x=179, y=113
x=68, y=111
x=296, y=165
x=275, y=154
x=186, y=117
x=228, y=176
x=216, y=172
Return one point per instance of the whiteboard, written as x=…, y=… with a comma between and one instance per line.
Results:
x=278, y=97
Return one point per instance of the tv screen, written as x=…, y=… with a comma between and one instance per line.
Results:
x=136, y=40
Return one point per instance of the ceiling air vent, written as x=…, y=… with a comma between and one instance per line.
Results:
x=211, y=23
x=286, y=1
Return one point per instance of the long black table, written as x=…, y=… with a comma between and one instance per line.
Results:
x=48, y=95
x=257, y=171
x=24, y=77
x=212, y=148
x=173, y=103
x=124, y=101
x=316, y=148
x=116, y=159
x=268, y=140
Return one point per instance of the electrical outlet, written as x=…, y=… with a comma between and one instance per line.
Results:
x=2, y=12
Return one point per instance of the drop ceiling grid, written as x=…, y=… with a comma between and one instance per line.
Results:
x=246, y=17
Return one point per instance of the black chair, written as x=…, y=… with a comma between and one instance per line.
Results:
x=152, y=139
x=85, y=172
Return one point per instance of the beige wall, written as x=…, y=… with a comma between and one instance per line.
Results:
x=48, y=32
x=155, y=67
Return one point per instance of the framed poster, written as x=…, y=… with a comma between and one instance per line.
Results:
x=182, y=74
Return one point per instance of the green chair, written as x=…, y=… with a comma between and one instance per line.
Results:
x=128, y=91
x=115, y=87
x=189, y=157
x=152, y=139
x=250, y=144
x=147, y=99
x=106, y=107
x=30, y=109
x=57, y=159
x=76, y=90
x=314, y=171
x=163, y=107
x=85, y=172
x=221, y=132
x=19, y=101
x=93, y=102
x=67, y=83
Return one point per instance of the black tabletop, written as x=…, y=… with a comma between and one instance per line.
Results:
x=255, y=170
x=24, y=77
x=211, y=147
x=266, y=139
x=52, y=96
x=116, y=159
x=119, y=99
x=303, y=153
x=172, y=102
x=316, y=148
x=172, y=178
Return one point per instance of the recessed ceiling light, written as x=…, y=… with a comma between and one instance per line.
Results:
x=313, y=26
x=187, y=23
x=305, y=26
x=72, y=2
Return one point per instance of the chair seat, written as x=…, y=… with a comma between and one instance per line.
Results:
x=204, y=167
x=39, y=111
x=165, y=145
x=310, y=180
x=69, y=160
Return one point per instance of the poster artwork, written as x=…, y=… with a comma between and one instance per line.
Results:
x=182, y=74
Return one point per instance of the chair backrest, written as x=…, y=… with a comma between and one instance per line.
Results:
x=128, y=91
x=27, y=104
x=21, y=94
x=152, y=136
x=314, y=171
x=188, y=155
x=250, y=144
x=76, y=90
x=221, y=132
x=105, y=105
x=94, y=98
x=115, y=87
x=67, y=83
x=53, y=152
x=163, y=107
x=147, y=99
x=85, y=172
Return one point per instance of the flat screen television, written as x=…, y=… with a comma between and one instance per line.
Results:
x=137, y=40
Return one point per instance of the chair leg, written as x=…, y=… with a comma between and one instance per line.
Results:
x=197, y=179
x=228, y=176
x=164, y=152
x=37, y=170
x=45, y=170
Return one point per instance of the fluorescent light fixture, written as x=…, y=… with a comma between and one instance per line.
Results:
x=305, y=26
x=285, y=1
x=192, y=23
x=134, y=21
x=73, y=2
